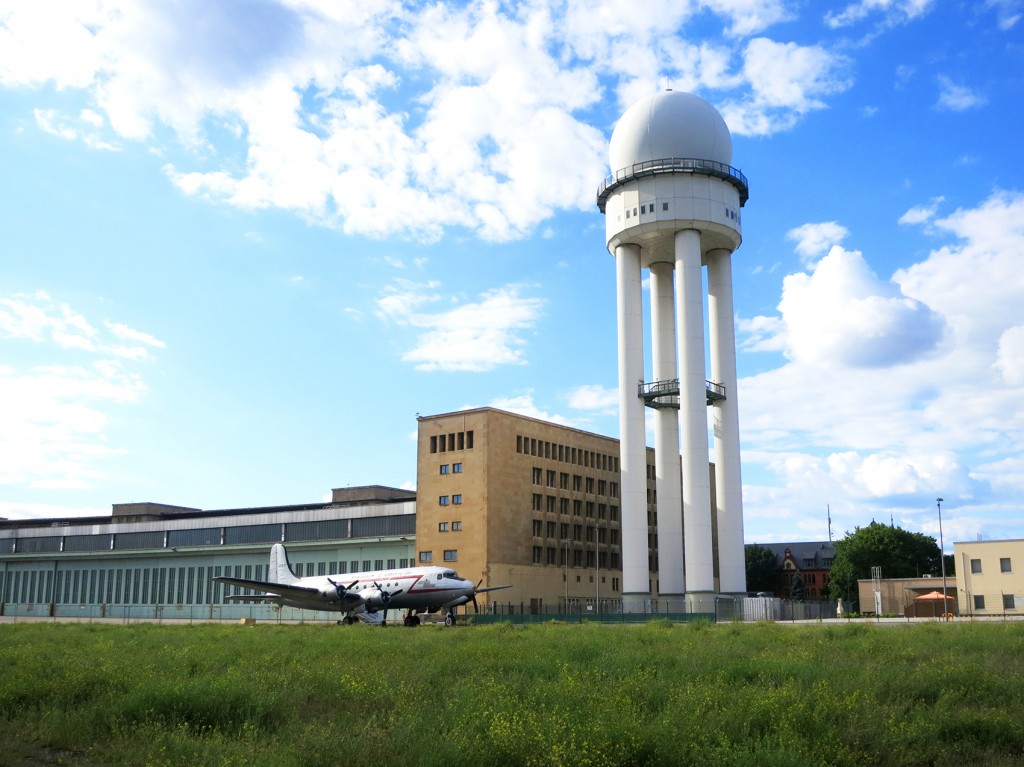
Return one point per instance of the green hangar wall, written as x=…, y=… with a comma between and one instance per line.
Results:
x=155, y=561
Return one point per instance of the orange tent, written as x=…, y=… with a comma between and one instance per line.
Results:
x=931, y=596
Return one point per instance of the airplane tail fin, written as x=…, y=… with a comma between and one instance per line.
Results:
x=280, y=571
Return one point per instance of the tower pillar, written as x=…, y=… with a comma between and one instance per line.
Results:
x=671, y=573
x=693, y=421
x=636, y=590
x=725, y=412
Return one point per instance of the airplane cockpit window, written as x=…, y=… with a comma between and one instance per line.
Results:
x=449, y=574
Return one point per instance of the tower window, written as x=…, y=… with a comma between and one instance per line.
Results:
x=664, y=206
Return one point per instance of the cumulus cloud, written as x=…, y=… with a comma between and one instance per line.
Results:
x=812, y=240
x=861, y=415
x=843, y=314
x=471, y=337
x=294, y=106
x=787, y=81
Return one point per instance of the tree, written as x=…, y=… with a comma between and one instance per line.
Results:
x=900, y=554
x=763, y=571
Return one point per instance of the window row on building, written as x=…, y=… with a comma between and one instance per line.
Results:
x=455, y=526
x=446, y=443
x=455, y=468
x=566, y=454
x=565, y=556
x=449, y=555
x=1005, y=566
x=361, y=527
x=561, y=531
x=579, y=483
x=574, y=507
x=1008, y=601
x=192, y=585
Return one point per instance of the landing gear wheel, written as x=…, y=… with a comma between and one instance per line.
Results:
x=412, y=620
x=348, y=620
x=449, y=619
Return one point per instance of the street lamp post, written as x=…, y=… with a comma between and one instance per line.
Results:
x=942, y=558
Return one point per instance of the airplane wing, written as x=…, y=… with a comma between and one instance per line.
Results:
x=280, y=589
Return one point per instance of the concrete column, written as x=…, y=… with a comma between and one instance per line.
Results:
x=728, y=485
x=671, y=576
x=693, y=422
x=632, y=435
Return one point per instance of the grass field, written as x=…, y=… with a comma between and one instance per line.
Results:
x=656, y=694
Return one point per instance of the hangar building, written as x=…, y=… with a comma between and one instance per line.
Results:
x=500, y=497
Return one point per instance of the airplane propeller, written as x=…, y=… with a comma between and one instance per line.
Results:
x=385, y=596
x=341, y=588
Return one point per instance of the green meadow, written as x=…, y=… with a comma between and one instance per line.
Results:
x=574, y=695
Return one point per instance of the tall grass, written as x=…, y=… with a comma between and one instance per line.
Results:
x=927, y=694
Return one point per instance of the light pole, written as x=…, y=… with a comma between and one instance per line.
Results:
x=942, y=558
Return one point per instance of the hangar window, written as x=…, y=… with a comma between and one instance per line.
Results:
x=1008, y=603
x=456, y=526
x=979, y=602
x=444, y=468
x=456, y=468
x=975, y=566
x=538, y=552
x=457, y=499
x=537, y=525
x=426, y=556
x=442, y=527
x=664, y=206
x=1004, y=565
x=451, y=555
x=443, y=500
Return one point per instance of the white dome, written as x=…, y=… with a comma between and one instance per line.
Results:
x=666, y=125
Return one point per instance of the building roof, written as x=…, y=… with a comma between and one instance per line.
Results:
x=803, y=551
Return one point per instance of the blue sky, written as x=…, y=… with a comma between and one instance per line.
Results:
x=245, y=243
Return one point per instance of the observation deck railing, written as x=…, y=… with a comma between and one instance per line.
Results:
x=673, y=165
x=665, y=394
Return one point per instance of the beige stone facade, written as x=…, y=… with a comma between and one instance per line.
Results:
x=519, y=501
x=990, y=577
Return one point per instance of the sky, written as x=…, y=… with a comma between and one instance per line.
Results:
x=244, y=243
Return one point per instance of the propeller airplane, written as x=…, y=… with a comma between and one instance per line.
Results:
x=363, y=595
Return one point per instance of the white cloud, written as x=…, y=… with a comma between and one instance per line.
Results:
x=523, y=404
x=86, y=128
x=891, y=11
x=1010, y=355
x=594, y=397
x=957, y=98
x=290, y=106
x=787, y=81
x=921, y=214
x=56, y=436
x=472, y=337
x=812, y=240
x=1008, y=12
x=842, y=314
x=862, y=416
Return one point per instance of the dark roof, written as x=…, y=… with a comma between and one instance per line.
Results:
x=817, y=551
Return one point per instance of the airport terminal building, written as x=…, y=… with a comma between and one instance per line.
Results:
x=500, y=497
